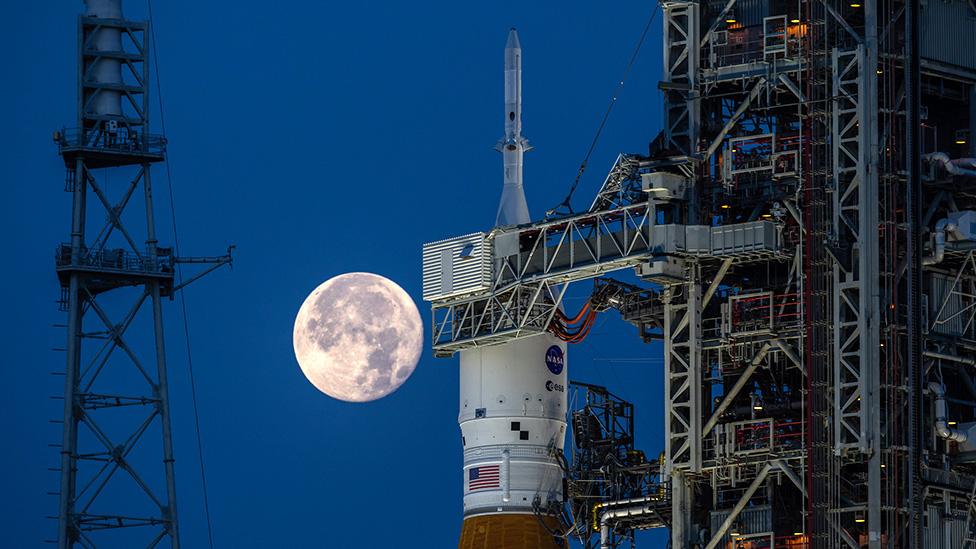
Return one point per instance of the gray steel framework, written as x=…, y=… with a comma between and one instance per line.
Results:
x=122, y=269
x=821, y=392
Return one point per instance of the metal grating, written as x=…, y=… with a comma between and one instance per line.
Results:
x=456, y=266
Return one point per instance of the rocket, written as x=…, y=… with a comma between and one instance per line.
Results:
x=513, y=395
x=512, y=208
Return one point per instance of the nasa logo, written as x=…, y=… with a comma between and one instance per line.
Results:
x=554, y=359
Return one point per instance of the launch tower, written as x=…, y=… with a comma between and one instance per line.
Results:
x=114, y=277
x=805, y=229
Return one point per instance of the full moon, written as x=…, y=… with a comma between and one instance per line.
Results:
x=358, y=337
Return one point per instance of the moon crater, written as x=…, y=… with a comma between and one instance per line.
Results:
x=358, y=337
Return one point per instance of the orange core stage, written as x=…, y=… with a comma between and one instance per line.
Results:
x=510, y=531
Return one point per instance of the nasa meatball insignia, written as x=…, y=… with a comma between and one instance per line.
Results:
x=554, y=359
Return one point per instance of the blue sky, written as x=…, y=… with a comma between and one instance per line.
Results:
x=320, y=138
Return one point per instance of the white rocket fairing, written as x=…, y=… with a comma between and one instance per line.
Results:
x=512, y=208
x=513, y=396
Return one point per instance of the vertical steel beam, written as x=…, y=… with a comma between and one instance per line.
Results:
x=69, y=435
x=680, y=510
x=162, y=390
x=682, y=403
x=913, y=256
x=848, y=123
x=682, y=371
x=162, y=378
x=868, y=266
x=681, y=56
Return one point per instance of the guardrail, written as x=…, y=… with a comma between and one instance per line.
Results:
x=123, y=140
x=116, y=260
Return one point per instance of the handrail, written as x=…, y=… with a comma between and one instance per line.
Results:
x=116, y=259
x=125, y=140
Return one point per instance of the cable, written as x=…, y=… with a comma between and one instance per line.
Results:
x=606, y=116
x=179, y=274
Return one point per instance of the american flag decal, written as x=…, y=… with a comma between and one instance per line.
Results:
x=486, y=476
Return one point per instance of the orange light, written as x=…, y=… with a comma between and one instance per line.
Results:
x=796, y=31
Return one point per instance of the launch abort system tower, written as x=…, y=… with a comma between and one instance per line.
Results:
x=114, y=277
x=805, y=230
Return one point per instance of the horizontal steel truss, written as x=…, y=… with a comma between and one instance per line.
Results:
x=528, y=288
x=524, y=292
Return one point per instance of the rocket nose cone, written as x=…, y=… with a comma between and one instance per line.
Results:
x=513, y=41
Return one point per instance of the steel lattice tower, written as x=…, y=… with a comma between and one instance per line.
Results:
x=804, y=232
x=113, y=397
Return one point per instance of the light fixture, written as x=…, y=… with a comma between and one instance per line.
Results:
x=725, y=206
x=730, y=20
x=859, y=518
x=879, y=71
x=883, y=465
x=952, y=423
x=757, y=407
x=766, y=216
x=795, y=20
x=855, y=5
x=797, y=533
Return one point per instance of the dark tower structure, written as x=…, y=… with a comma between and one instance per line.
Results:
x=117, y=463
x=804, y=228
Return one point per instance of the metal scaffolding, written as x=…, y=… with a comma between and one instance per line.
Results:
x=819, y=376
x=114, y=277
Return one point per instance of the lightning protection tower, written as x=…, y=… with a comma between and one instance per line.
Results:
x=114, y=277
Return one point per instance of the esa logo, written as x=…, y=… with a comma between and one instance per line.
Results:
x=551, y=386
x=554, y=359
